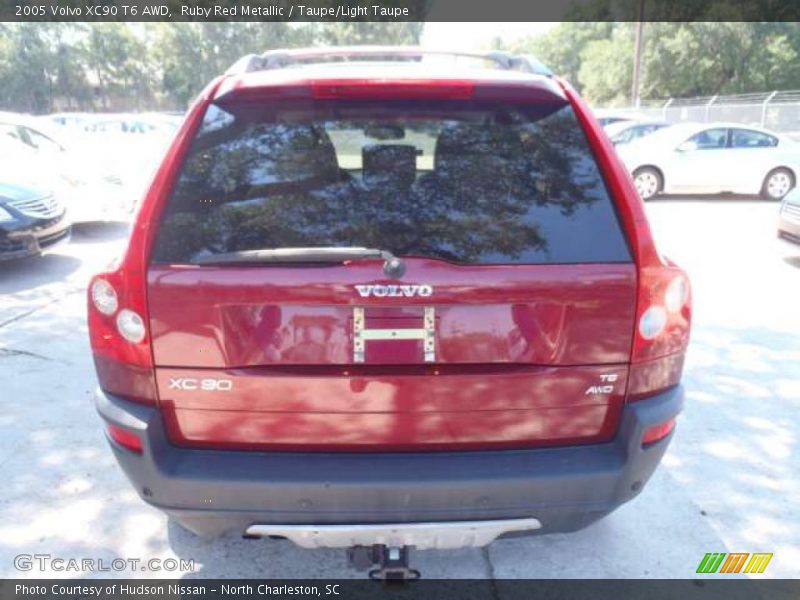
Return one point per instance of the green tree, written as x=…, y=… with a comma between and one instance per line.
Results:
x=681, y=59
x=561, y=47
x=361, y=32
x=606, y=66
x=68, y=66
x=44, y=66
x=686, y=59
x=119, y=61
x=189, y=55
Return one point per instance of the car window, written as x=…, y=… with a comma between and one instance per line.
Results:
x=747, y=138
x=39, y=140
x=137, y=127
x=609, y=120
x=469, y=182
x=710, y=139
x=105, y=127
x=647, y=129
x=634, y=132
x=623, y=137
x=640, y=131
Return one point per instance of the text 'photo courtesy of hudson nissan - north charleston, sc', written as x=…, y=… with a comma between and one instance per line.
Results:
x=398, y=301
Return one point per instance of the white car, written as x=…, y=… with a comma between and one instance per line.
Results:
x=154, y=124
x=789, y=218
x=712, y=158
x=607, y=116
x=82, y=172
x=70, y=119
x=625, y=132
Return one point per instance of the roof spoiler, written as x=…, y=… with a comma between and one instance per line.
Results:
x=280, y=59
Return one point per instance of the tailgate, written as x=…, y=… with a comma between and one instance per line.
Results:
x=516, y=356
x=511, y=326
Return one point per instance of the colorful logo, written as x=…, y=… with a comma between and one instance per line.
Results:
x=716, y=562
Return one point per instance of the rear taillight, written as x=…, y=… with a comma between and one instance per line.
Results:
x=119, y=338
x=657, y=432
x=663, y=319
x=104, y=297
x=118, y=317
x=663, y=307
x=663, y=313
x=126, y=439
x=131, y=326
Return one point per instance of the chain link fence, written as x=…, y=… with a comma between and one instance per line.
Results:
x=777, y=111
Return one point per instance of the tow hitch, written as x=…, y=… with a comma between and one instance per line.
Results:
x=383, y=549
x=391, y=562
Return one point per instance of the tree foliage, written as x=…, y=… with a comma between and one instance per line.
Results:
x=680, y=59
x=141, y=66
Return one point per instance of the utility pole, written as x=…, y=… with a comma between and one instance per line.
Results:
x=637, y=56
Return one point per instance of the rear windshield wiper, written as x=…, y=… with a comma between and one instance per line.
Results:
x=392, y=266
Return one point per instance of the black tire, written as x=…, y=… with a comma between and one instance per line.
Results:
x=777, y=184
x=648, y=182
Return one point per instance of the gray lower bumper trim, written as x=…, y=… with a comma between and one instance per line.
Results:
x=457, y=534
x=564, y=488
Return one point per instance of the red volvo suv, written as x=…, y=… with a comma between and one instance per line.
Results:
x=383, y=298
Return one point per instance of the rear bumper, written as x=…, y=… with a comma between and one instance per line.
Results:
x=564, y=488
x=441, y=535
x=33, y=237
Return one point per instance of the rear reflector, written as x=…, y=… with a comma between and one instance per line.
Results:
x=126, y=439
x=658, y=432
x=654, y=376
x=125, y=379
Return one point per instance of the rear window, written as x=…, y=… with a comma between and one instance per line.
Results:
x=468, y=182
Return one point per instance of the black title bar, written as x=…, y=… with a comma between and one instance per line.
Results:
x=551, y=589
x=332, y=11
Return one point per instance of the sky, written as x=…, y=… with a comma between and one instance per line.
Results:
x=476, y=36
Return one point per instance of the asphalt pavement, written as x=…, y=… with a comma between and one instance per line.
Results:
x=730, y=481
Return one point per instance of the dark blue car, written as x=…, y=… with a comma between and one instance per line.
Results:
x=31, y=221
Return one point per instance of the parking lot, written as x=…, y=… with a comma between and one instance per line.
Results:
x=729, y=483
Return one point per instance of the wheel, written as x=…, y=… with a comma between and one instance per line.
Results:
x=648, y=182
x=777, y=184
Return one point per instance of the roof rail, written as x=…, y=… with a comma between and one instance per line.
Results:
x=279, y=59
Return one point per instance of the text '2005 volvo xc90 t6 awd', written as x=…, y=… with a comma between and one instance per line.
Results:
x=389, y=301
